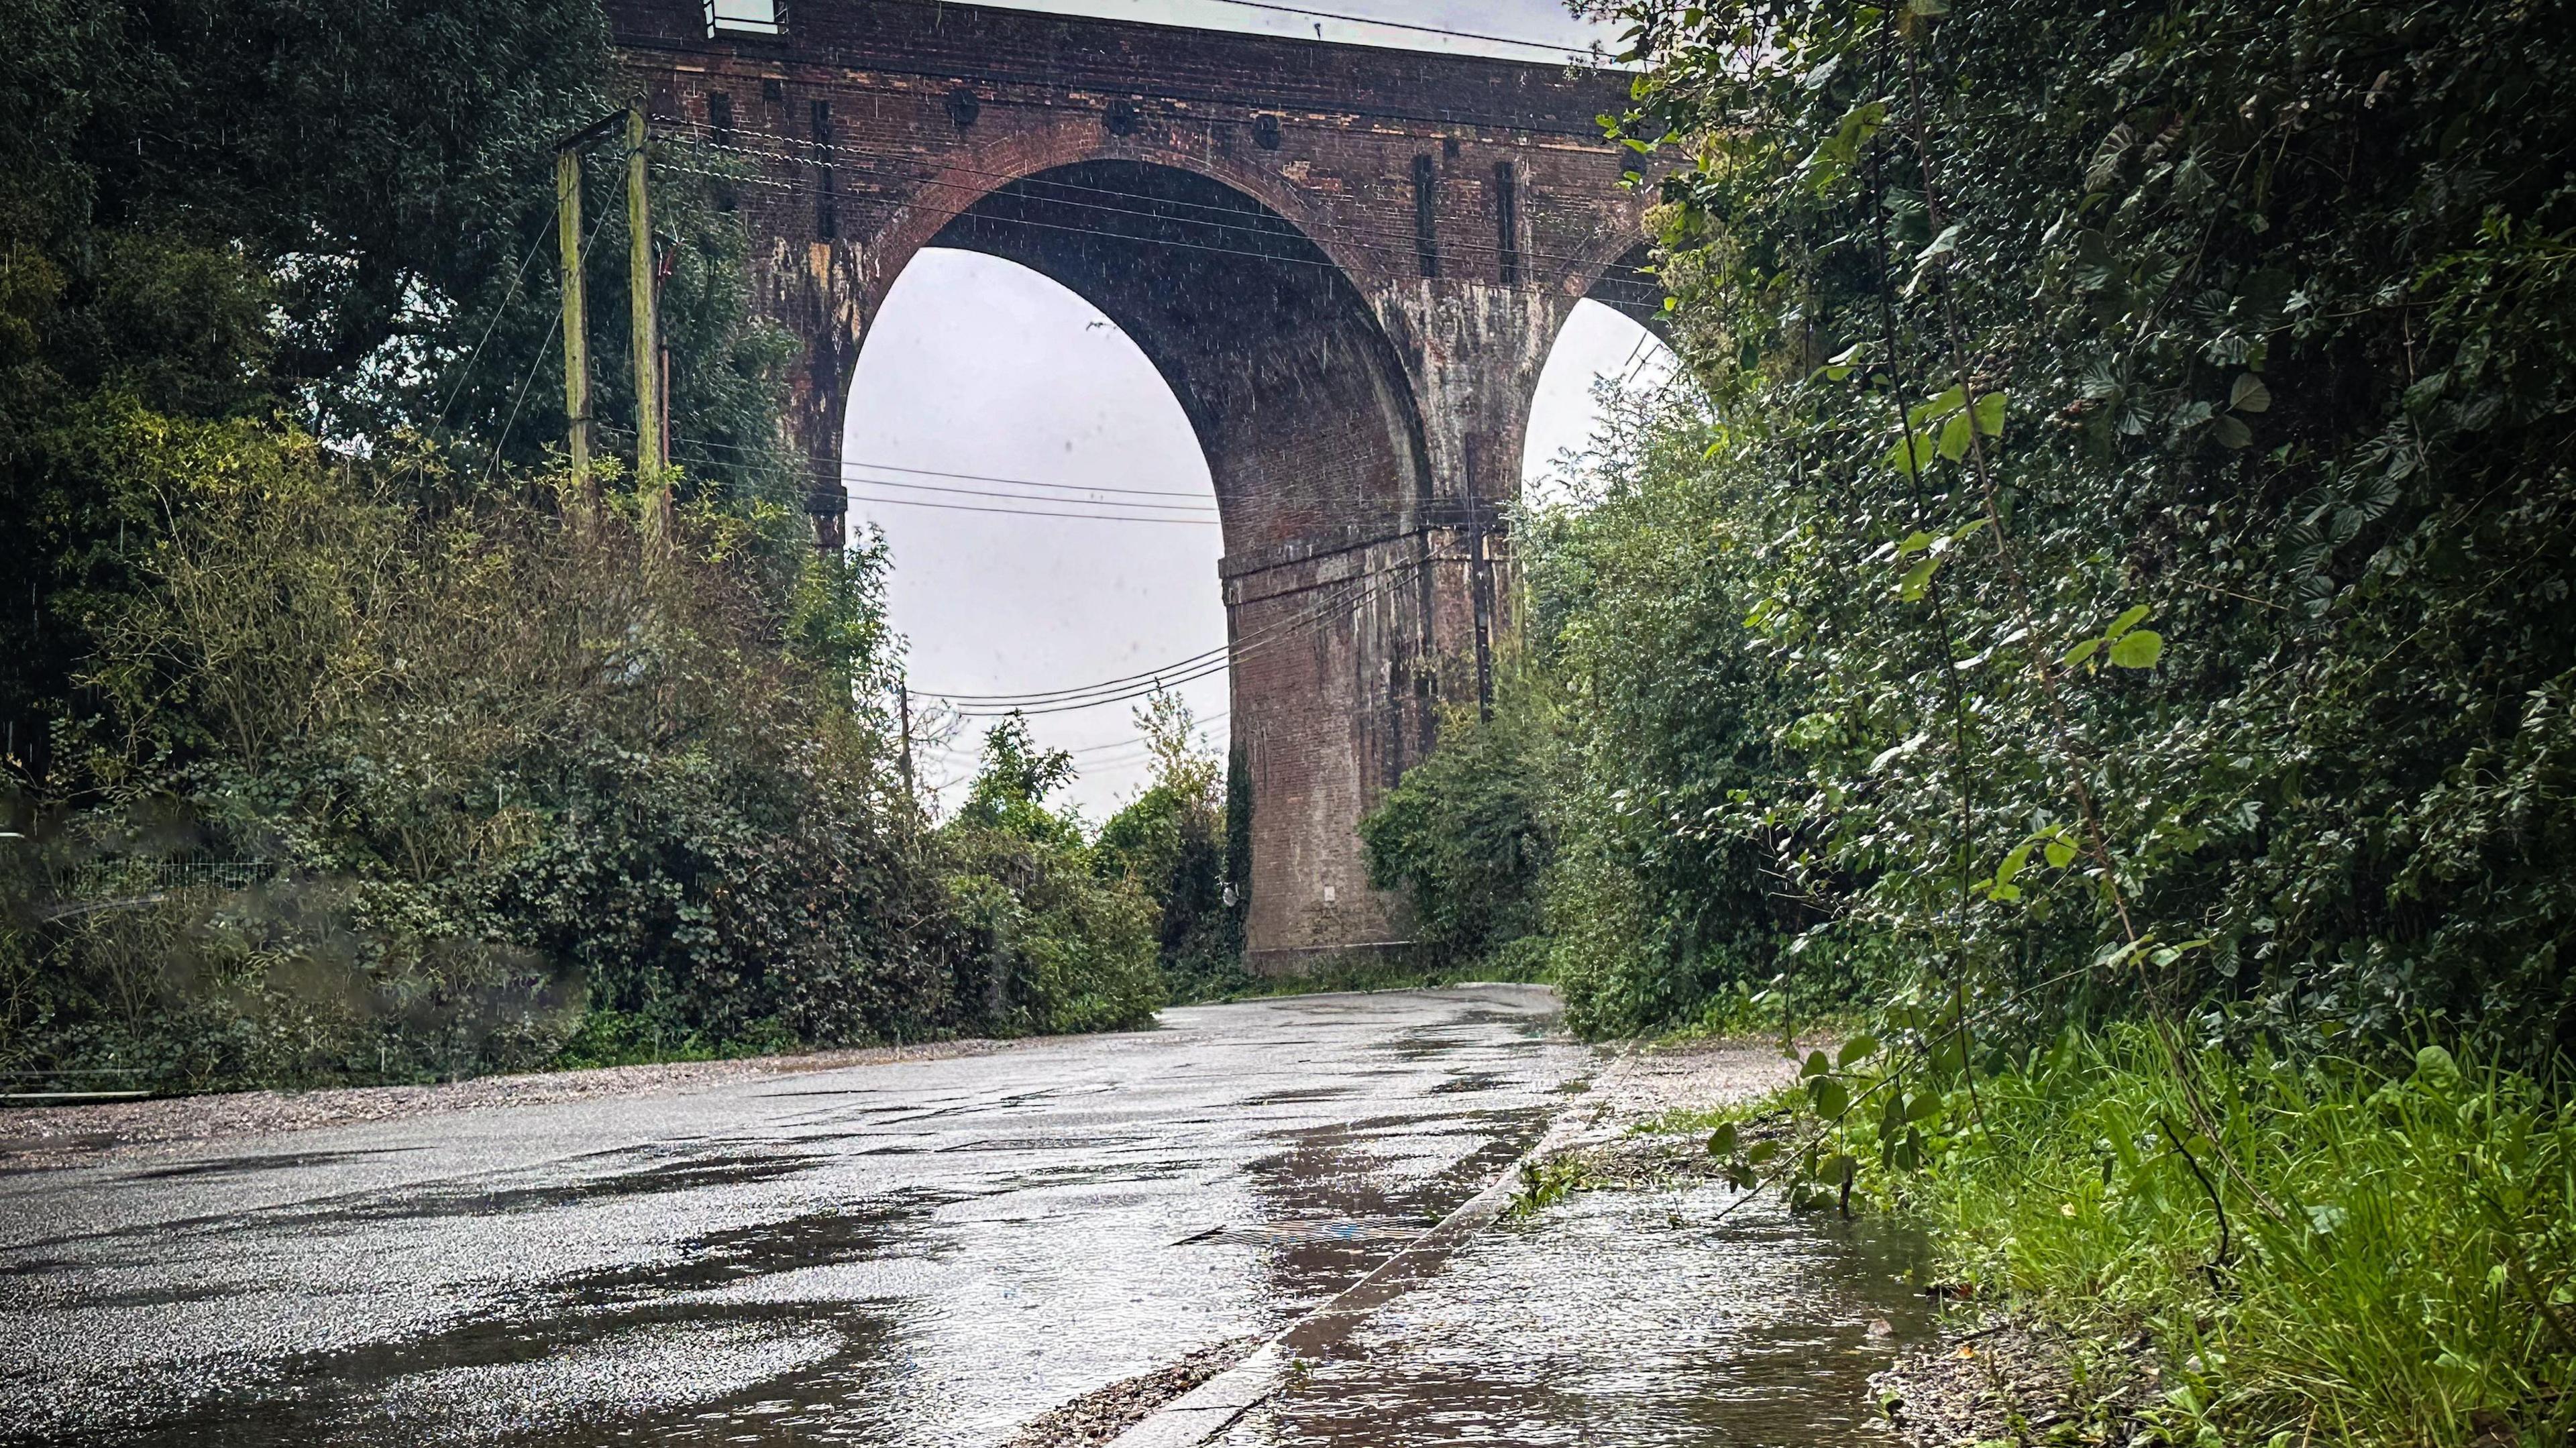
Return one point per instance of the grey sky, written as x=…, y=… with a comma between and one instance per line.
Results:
x=976, y=365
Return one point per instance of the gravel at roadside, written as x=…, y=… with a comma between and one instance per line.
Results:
x=2013, y=1380
x=1607, y=1130
x=1099, y=1416
x=61, y=1136
x=1647, y=1081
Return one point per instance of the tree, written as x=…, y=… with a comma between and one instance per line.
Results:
x=339, y=217
x=2141, y=438
x=1052, y=943
x=1464, y=835
x=1170, y=843
x=1009, y=792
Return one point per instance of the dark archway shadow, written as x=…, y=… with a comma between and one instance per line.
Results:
x=1300, y=403
x=1630, y=287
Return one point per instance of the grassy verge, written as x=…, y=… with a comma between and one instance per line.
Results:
x=2314, y=1253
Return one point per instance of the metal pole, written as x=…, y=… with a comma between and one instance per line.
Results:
x=576, y=328
x=650, y=482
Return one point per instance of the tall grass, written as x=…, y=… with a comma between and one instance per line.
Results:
x=2320, y=1252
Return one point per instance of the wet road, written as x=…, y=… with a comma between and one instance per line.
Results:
x=920, y=1253
x=1645, y=1319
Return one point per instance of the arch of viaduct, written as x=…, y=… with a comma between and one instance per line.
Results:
x=1349, y=264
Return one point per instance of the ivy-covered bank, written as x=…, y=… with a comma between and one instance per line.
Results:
x=2092, y=622
x=344, y=735
x=394, y=775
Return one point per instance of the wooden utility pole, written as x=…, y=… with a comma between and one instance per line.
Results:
x=903, y=701
x=1480, y=596
x=576, y=330
x=651, y=479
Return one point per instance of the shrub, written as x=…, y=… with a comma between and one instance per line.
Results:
x=462, y=771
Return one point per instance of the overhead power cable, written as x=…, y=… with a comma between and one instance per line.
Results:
x=1201, y=508
x=1414, y=27
x=1115, y=747
x=759, y=454
x=1348, y=505
x=554, y=334
x=466, y=373
x=1034, y=512
x=1155, y=676
x=798, y=150
x=1338, y=511
x=1214, y=669
x=1218, y=717
x=1343, y=504
x=1300, y=622
x=969, y=477
x=802, y=188
x=1071, y=706
x=687, y=450
x=1306, y=621
x=1153, y=679
x=1150, y=680
x=1342, y=507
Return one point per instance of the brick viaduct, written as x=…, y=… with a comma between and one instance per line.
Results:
x=1349, y=263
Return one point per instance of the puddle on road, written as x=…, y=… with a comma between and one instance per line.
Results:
x=615, y=1378
x=727, y=1165
x=1331, y=1213
x=885, y=1228
x=557, y=1186
x=591, y=1357
x=1601, y=1322
x=235, y=1166
x=1296, y=1097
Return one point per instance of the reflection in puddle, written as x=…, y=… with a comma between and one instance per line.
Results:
x=721, y=1258
x=1601, y=1322
x=240, y=1165
x=730, y=1165
x=616, y=1376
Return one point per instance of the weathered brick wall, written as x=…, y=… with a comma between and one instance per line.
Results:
x=1350, y=264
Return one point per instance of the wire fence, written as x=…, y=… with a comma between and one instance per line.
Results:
x=131, y=882
x=132, y=875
